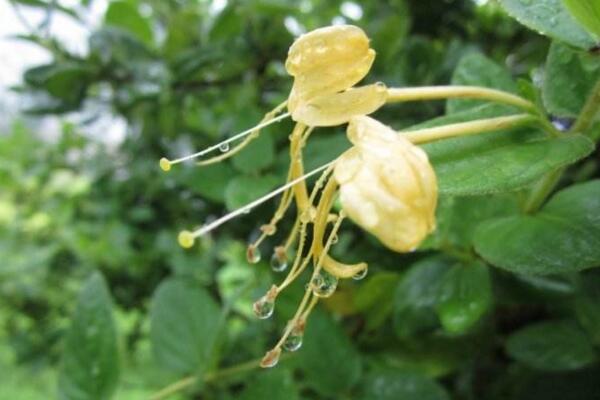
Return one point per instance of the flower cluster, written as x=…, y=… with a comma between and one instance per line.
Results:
x=384, y=182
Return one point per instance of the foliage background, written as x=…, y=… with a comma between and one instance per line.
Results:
x=98, y=300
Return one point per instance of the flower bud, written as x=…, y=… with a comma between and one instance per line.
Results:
x=387, y=185
x=325, y=63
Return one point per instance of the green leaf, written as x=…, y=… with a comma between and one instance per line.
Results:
x=258, y=155
x=587, y=12
x=550, y=18
x=373, y=298
x=65, y=81
x=417, y=295
x=501, y=161
x=328, y=360
x=125, y=15
x=475, y=69
x=210, y=181
x=465, y=295
x=185, y=321
x=273, y=384
x=569, y=80
x=404, y=385
x=563, y=237
x=90, y=361
x=244, y=189
x=587, y=307
x=551, y=346
x=458, y=218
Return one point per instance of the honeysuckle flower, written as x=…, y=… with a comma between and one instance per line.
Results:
x=325, y=64
x=387, y=185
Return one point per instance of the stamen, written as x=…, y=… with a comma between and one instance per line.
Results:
x=187, y=237
x=166, y=164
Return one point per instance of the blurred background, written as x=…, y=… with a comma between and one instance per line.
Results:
x=94, y=92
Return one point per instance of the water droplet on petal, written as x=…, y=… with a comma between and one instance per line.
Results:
x=253, y=254
x=224, y=147
x=271, y=358
x=324, y=284
x=263, y=307
x=334, y=239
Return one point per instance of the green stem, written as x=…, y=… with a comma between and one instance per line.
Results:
x=468, y=128
x=466, y=92
x=209, y=377
x=546, y=185
x=542, y=190
x=174, y=388
x=589, y=111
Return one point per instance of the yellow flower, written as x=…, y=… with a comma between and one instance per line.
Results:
x=325, y=64
x=387, y=185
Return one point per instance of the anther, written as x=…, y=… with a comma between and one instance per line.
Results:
x=165, y=164
x=186, y=239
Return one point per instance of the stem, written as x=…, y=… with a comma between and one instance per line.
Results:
x=542, y=190
x=451, y=92
x=589, y=111
x=467, y=128
x=174, y=388
x=546, y=185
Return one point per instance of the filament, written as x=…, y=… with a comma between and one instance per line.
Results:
x=229, y=140
x=242, y=210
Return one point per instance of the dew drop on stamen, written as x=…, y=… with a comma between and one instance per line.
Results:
x=294, y=341
x=224, y=147
x=263, y=307
x=323, y=284
x=279, y=262
x=253, y=254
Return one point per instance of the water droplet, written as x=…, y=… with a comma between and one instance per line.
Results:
x=271, y=358
x=334, y=239
x=224, y=147
x=324, y=284
x=263, y=307
x=294, y=341
x=253, y=254
x=361, y=275
x=279, y=261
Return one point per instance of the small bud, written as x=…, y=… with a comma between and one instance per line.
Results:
x=165, y=164
x=387, y=185
x=186, y=239
x=271, y=358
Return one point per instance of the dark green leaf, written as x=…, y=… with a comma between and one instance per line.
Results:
x=185, y=322
x=401, y=385
x=551, y=18
x=563, y=237
x=328, y=360
x=373, y=298
x=465, y=295
x=273, y=384
x=458, y=218
x=569, y=79
x=244, y=189
x=90, y=363
x=417, y=295
x=551, y=346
